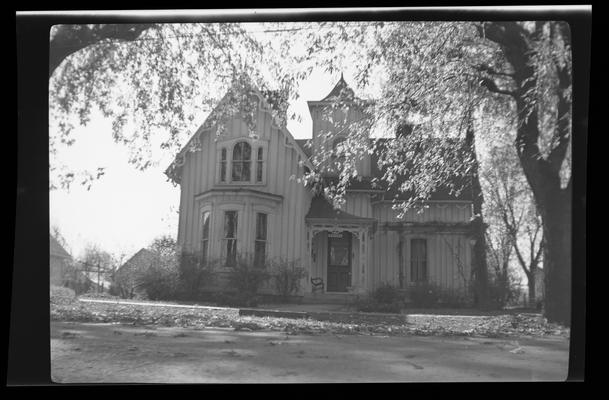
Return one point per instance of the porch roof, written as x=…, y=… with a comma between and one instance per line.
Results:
x=322, y=211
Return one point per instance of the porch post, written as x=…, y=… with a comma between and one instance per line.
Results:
x=308, y=260
x=362, y=260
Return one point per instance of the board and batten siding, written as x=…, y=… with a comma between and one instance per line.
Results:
x=324, y=131
x=289, y=200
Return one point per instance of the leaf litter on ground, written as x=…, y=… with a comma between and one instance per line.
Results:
x=492, y=326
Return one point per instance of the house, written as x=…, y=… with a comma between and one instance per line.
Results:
x=127, y=276
x=240, y=195
x=59, y=259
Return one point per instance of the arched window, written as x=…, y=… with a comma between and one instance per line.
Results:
x=242, y=162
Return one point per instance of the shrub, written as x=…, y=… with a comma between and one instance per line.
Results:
x=287, y=277
x=161, y=279
x=385, y=299
x=61, y=295
x=387, y=294
x=194, y=274
x=424, y=295
x=454, y=298
x=245, y=278
x=74, y=279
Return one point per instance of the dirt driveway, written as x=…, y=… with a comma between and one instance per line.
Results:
x=93, y=352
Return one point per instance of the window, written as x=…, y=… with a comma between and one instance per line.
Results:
x=205, y=237
x=230, y=237
x=223, y=166
x=337, y=148
x=260, y=241
x=418, y=260
x=259, y=164
x=242, y=160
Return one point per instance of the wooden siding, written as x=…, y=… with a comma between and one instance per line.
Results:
x=322, y=124
x=286, y=228
x=448, y=258
x=450, y=212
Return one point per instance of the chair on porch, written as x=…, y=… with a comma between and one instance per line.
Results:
x=317, y=284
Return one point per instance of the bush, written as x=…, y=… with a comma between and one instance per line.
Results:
x=454, y=298
x=74, y=279
x=61, y=295
x=287, y=277
x=424, y=295
x=247, y=279
x=385, y=299
x=194, y=274
x=387, y=294
x=161, y=279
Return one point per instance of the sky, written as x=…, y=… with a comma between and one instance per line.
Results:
x=126, y=209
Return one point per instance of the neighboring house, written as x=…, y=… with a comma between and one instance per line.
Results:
x=59, y=259
x=127, y=276
x=240, y=195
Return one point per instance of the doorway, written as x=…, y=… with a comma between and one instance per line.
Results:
x=339, y=261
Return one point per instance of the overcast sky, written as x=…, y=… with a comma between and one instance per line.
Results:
x=126, y=209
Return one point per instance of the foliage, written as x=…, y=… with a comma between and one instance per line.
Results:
x=425, y=295
x=61, y=295
x=161, y=279
x=247, y=279
x=195, y=274
x=151, y=80
x=287, y=276
x=387, y=294
x=504, y=289
x=74, y=279
x=385, y=299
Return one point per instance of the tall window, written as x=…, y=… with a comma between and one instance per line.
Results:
x=259, y=164
x=230, y=236
x=205, y=237
x=418, y=260
x=337, y=147
x=260, y=241
x=242, y=161
x=223, y=166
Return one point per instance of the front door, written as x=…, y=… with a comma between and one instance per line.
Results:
x=339, y=261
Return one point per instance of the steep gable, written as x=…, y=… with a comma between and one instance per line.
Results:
x=269, y=103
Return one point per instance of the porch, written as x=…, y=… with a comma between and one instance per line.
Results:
x=337, y=247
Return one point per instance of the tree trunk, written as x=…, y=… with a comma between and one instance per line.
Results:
x=480, y=266
x=557, y=257
x=532, y=294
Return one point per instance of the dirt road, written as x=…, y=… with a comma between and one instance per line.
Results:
x=112, y=353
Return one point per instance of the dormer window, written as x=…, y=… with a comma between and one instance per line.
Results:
x=242, y=161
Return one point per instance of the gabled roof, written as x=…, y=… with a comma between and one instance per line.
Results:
x=57, y=249
x=142, y=256
x=270, y=100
